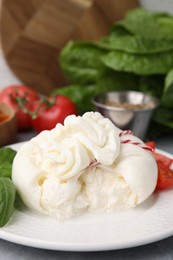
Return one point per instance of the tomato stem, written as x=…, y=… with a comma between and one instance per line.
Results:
x=50, y=102
x=22, y=101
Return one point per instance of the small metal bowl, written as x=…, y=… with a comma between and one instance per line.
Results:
x=130, y=110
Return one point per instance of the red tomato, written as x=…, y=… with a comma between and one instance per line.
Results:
x=18, y=96
x=52, y=111
x=165, y=174
x=163, y=160
x=165, y=177
x=151, y=144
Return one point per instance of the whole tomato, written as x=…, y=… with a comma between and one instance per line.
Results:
x=20, y=97
x=51, y=111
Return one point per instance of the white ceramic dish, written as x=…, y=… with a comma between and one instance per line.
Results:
x=149, y=222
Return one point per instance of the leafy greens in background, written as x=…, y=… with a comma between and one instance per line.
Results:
x=137, y=54
x=83, y=63
x=7, y=188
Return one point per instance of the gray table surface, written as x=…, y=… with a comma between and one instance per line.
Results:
x=157, y=250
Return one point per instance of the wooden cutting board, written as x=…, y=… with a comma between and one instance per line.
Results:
x=33, y=32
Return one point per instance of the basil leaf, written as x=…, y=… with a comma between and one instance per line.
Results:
x=18, y=203
x=6, y=159
x=7, y=197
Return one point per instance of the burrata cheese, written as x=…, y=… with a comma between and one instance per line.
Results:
x=85, y=164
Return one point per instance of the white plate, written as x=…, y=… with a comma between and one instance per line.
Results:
x=149, y=222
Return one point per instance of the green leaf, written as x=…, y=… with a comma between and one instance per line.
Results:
x=135, y=55
x=81, y=95
x=6, y=159
x=152, y=85
x=110, y=80
x=135, y=44
x=168, y=80
x=81, y=61
x=167, y=97
x=148, y=24
x=7, y=197
x=164, y=116
x=140, y=64
x=139, y=41
x=18, y=203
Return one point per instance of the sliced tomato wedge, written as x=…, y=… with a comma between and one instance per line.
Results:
x=165, y=177
x=151, y=144
x=163, y=160
x=165, y=173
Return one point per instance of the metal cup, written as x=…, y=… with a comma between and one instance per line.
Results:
x=135, y=119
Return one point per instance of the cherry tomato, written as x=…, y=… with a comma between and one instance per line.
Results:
x=52, y=111
x=19, y=97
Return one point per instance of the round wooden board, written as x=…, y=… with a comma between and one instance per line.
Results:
x=33, y=32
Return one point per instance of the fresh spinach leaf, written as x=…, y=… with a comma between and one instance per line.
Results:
x=110, y=80
x=168, y=80
x=164, y=116
x=135, y=44
x=147, y=24
x=140, y=64
x=81, y=61
x=7, y=197
x=152, y=85
x=137, y=54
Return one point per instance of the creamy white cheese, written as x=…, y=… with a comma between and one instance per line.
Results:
x=129, y=181
x=83, y=165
